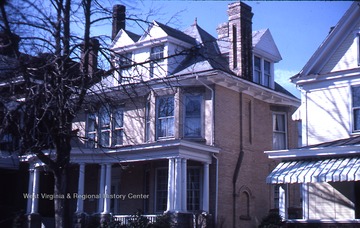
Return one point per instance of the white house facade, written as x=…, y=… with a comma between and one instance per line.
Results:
x=327, y=166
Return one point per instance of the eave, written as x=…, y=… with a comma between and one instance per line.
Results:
x=314, y=152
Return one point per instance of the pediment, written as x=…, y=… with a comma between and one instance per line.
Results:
x=264, y=45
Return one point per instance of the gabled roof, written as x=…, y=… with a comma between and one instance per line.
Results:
x=335, y=38
x=126, y=38
x=171, y=32
x=264, y=44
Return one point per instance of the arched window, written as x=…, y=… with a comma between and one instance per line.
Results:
x=244, y=205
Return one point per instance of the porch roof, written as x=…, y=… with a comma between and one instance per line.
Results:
x=143, y=152
x=319, y=170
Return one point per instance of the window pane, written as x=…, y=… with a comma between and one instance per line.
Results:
x=104, y=117
x=192, y=125
x=118, y=118
x=166, y=106
x=165, y=112
x=161, y=189
x=105, y=137
x=117, y=137
x=266, y=67
x=279, y=132
x=356, y=119
x=193, y=189
x=257, y=63
x=355, y=96
x=157, y=53
x=91, y=122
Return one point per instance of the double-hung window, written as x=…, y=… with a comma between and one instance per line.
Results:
x=105, y=127
x=262, y=72
x=156, y=58
x=165, y=117
x=192, y=119
x=279, y=131
x=355, y=94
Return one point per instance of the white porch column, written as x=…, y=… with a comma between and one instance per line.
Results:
x=178, y=185
x=283, y=209
x=101, y=188
x=35, y=191
x=80, y=201
x=184, y=184
x=206, y=188
x=107, y=190
x=305, y=200
x=170, y=194
x=30, y=190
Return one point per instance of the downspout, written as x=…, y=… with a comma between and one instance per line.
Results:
x=212, y=143
x=238, y=162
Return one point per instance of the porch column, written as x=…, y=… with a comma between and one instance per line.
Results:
x=283, y=209
x=184, y=184
x=80, y=201
x=178, y=185
x=206, y=188
x=170, y=194
x=101, y=188
x=107, y=190
x=30, y=190
x=35, y=191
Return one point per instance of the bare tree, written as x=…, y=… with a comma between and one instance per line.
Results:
x=45, y=88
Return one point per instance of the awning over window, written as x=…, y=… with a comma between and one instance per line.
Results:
x=325, y=170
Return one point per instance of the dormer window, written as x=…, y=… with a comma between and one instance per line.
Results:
x=262, y=72
x=125, y=63
x=156, y=57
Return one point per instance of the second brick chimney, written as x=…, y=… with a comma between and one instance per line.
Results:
x=118, y=18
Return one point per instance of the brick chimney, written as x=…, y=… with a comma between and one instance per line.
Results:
x=118, y=17
x=9, y=44
x=236, y=39
x=93, y=55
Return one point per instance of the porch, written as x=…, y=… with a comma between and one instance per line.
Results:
x=161, y=178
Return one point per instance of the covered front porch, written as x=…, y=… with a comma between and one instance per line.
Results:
x=328, y=178
x=170, y=177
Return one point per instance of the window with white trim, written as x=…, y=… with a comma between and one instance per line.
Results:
x=279, y=131
x=156, y=57
x=355, y=95
x=165, y=117
x=262, y=72
x=192, y=116
x=105, y=127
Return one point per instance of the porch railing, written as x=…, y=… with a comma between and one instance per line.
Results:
x=125, y=219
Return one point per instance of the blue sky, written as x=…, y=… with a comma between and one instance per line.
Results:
x=298, y=27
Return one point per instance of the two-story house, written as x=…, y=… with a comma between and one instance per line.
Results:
x=326, y=168
x=181, y=126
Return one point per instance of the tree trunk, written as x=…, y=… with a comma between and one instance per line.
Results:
x=61, y=201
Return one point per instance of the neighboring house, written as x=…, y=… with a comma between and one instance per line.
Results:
x=12, y=173
x=182, y=126
x=327, y=167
